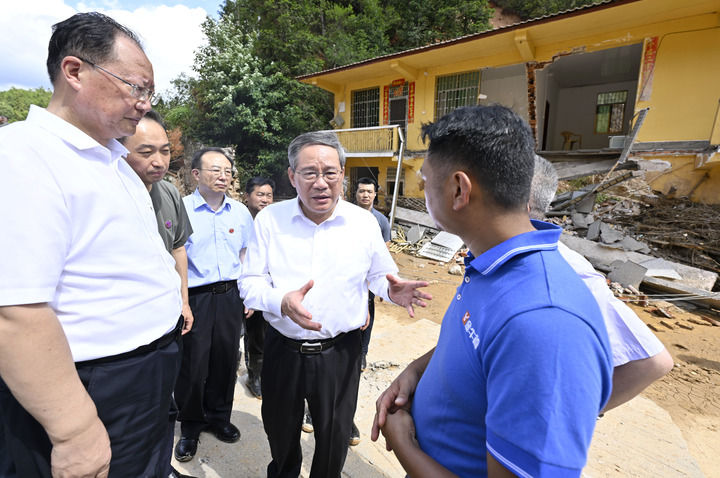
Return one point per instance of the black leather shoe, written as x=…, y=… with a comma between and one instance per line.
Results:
x=253, y=384
x=176, y=474
x=226, y=432
x=185, y=449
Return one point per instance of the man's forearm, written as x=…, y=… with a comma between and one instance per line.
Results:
x=181, y=266
x=37, y=366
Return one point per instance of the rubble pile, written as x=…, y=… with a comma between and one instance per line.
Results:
x=678, y=230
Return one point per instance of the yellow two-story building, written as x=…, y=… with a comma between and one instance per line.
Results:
x=578, y=77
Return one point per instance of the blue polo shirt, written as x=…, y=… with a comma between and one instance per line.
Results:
x=522, y=366
x=213, y=249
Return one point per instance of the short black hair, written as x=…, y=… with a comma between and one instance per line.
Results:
x=197, y=157
x=151, y=115
x=491, y=143
x=258, y=181
x=366, y=180
x=89, y=35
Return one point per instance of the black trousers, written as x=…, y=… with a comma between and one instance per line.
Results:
x=206, y=383
x=255, y=328
x=132, y=397
x=368, y=331
x=329, y=382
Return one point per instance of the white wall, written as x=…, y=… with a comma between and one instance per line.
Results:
x=546, y=89
x=506, y=86
x=574, y=110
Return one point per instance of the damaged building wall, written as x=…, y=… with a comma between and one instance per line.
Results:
x=575, y=111
x=506, y=86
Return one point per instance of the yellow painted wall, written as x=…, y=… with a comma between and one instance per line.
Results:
x=685, y=87
x=412, y=174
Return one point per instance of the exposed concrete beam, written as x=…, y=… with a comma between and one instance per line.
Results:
x=524, y=45
x=406, y=71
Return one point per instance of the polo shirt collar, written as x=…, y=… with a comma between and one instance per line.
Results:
x=544, y=238
x=198, y=201
x=71, y=134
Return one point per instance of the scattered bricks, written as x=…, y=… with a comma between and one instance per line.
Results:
x=698, y=322
x=667, y=324
x=664, y=313
x=633, y=290
x=653, y=328
x=684, y=326
x=681, y=346
x=710, y=320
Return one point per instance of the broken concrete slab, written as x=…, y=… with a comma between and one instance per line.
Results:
x=627, y=273
x=579, y=220
x=593, y=233
x=630, y=244
x=609, y=235
x=661, y=268
x=601, y=257
x=414, y=217
x=586, y=204
x=415, y=233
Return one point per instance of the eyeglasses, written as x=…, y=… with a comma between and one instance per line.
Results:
x=218, y=171
x=312, y=176
x=140, y=93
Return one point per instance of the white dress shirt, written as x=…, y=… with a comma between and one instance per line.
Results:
x=342, y=255
x=630, y=338
x=79, y=233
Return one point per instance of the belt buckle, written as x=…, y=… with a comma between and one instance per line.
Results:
x=310, y=348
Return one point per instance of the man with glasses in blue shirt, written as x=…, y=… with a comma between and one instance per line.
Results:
x=309, y=266
x=215, y=250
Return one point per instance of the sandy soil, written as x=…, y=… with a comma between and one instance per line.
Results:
x=670, y=430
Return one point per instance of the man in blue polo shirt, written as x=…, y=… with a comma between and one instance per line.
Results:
x=522, y=366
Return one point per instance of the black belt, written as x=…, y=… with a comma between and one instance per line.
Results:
x=160, y=343
x=310, y=346
x=215, y=288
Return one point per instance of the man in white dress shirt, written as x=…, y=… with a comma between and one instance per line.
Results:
x=308, y=268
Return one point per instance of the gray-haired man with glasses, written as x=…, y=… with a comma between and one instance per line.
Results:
x=89, y=297
x=309, y=266
x=221, y=230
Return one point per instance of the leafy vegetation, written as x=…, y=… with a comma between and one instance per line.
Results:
x=15, y=102
x=527, y=9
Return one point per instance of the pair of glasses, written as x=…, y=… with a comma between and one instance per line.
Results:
x=312, y=176
x=218, y=171
x=140, y=93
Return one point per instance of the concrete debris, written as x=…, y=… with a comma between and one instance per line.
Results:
x=630, y=244
x=586, y=205
x=579, y=220
x=627, y=273
x=455, y=270
x=609, y=235
x=593, y=233
x=415, y=233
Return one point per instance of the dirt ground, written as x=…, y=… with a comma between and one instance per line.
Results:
x=670, y=430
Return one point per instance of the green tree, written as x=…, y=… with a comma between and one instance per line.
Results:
x=417, y=23
x=527, y=9
x=15, y=102
x=237, y=99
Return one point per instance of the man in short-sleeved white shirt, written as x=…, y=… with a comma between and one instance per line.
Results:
x=89, y=298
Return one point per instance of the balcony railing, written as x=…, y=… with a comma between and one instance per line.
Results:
x=369, y=142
